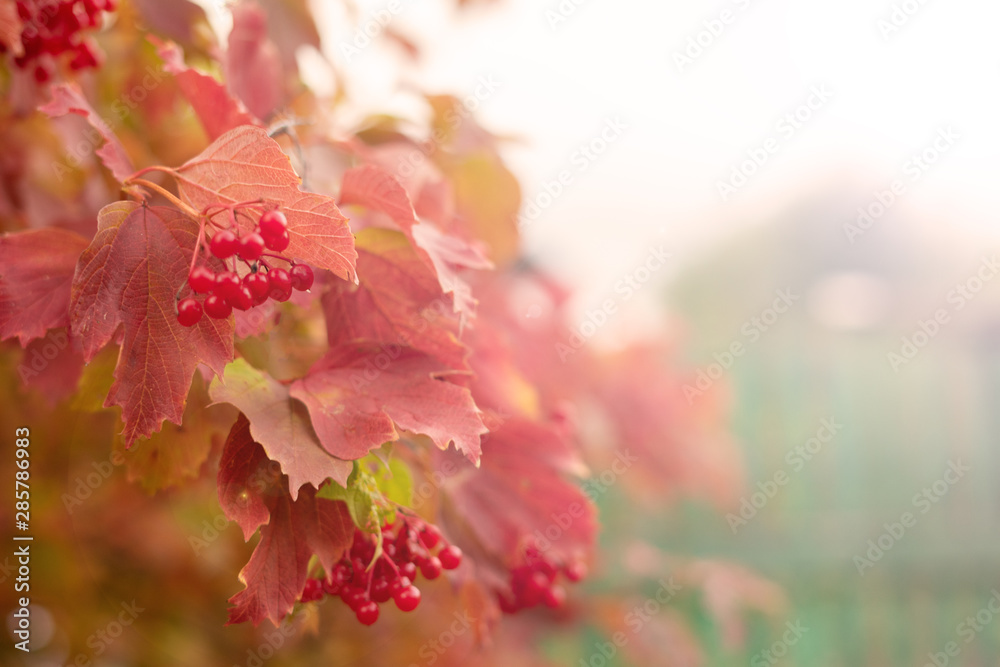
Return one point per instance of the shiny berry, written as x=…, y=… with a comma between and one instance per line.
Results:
x=277, y=242
x=251, y=247
x=242, y=299
x=201, y=279
x=217, y=307
x=302, y=279
x=272, y=223
x=554, y=597
x=227, y=284
x=367, y=613
x=429, y=535
x=575, y=571
x=450, y=557
x=281, y=285
x=188, y=312
x=431, y=568
x=224, y=244
x=380, y=591
x=408, y=598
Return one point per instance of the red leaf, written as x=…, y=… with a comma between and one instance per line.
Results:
x=128, y=278
x=67, y=98
x=246, y=164
x=241, y=479
x=374, y=188
x=10, y=27
x=36, y=270
x=356, y=393
x=280, y=424
x=398, y=302
x=218, y=111
x=292, y=530
x=253, y=64
x=177, y=19
x=522, y=491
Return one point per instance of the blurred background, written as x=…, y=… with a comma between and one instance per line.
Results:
x=754, y=137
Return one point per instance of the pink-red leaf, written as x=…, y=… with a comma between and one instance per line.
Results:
x=242, y=478
x=67, y=98
x=356, y=393
x=36, y=270
x=128, y=279
x=218, y=111
x=398, y=301
x=253, y=64
x=280, y=424
x=246, y=164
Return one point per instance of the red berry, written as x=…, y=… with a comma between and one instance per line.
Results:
x=354, y=596
x=408, y=570
x=431, y=568
x=242, y=299
x=508, y=604
x=554, y=597
x=281, y=284
x=217, y=307
x=259, y=285
x=224, y=244
x=429, y=535
x=312, y=591
x=450, y=557
x=227, y=284
x=201, y=279
x=575, y=571
x=302, y=279
x=277, y=242
x=251, y=247
x=272, y=223
x=188, y=312
x=367, y=613
x=408, y=598
x=380, y=590
x=399, y=584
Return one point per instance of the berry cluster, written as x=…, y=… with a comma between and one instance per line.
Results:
x=52, y=28
x=408, y=546
x=534, y=582
x=225, y=289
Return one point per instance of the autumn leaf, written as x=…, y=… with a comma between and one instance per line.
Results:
x=126, y=282
x=397, y=302
x=217, y=110
x=357, y=393
x=253, y=64
x=375, y=189
x=524, y=490
x=280, y=424
x=246, y=164
x=294, y=531
x=10, y=27
x=68, y=98
x=36, y=271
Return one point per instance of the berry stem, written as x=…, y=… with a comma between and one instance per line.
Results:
x=166, y=193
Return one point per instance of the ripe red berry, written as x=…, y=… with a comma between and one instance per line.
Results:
x=242, y=299
x=188, y=312
x=450, y=557
x=431, y=568
x=312, y=591
x=408, y=570
x=429, y=535
x=354, y=597
x=554, y=597
x=227, y=284
x=302, y=279
x=575, y=571
x=367, y=613
x=251, y=247
x=408, y=598
x=277, y=242
x=224, y=244
x=217, y=307
x=259, y=285
x=272, y=223
x=201, y=279
x=281, y=284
